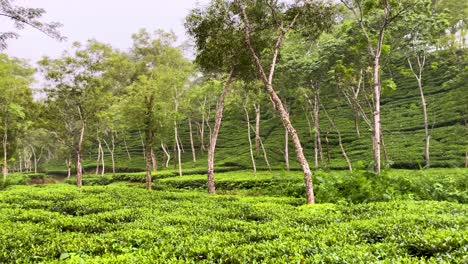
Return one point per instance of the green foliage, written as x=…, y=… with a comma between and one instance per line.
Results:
x=26, y=16
x=331, y=187
x=16, y=104
x=118, y=224
x=356, y=187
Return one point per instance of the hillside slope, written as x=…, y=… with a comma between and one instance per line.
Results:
x=445, y=84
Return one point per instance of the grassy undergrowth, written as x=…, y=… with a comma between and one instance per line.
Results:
x=121, y=224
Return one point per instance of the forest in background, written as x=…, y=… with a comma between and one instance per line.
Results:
x=115, y=109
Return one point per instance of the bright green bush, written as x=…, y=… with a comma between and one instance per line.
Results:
x=120, y=224
x=356, y=187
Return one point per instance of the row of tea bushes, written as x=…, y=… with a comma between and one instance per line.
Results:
x=121, y=224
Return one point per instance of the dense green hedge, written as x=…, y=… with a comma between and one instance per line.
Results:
x=356, y=187
x=333, y=186
x=119, y=224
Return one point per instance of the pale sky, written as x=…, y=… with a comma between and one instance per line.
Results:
x=108, y=21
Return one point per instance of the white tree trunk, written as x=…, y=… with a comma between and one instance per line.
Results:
x=126, y=149
x=21, y=163
x=265, y=157
x=202, y=133
x=257, y=128
x=79, y=166
x=194, y=155
x=214, y=135
x=34, y=159
x=340, y=142
x=376, y=135
x=418, y=75
x=168, y=156
x=250, y=142
x=176, y=137
x=111, y=149
x=317, y=138
x=98, y=160
x=69, y=166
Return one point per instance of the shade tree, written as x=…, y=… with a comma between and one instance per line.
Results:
x=15, y=99
x=77, y=91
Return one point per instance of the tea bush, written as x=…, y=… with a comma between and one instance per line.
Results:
x=123, y=224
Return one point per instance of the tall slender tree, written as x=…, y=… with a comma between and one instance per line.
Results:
x=375, y=18
x=76, y=88
x=282, y=18
x=15, y=96
x=420, y=30
x=217, y=42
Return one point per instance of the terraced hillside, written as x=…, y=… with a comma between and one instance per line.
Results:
x=445, y=84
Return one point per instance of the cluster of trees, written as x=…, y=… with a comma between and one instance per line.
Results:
x=250, y=56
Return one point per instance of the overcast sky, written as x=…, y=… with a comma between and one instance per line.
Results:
x=108, y=21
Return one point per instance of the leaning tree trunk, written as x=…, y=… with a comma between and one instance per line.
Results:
x=98, y=157
x=103, y=162
x=356, y=124
x=343, y=151
x=257, y=128
x=194, y=155
x=297, y=144
x=250, y=142
x=168, y=156
x=421, y=62
x=214, y=135
x=265, y=157
x=111, y=151
x=126, y=149
x=142, y=144
x=340, y=141
x=318, y=152
x=176, y=136
x=181, y=145
x=268, y=82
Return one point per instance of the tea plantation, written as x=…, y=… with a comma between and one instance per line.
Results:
x=397, y=217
